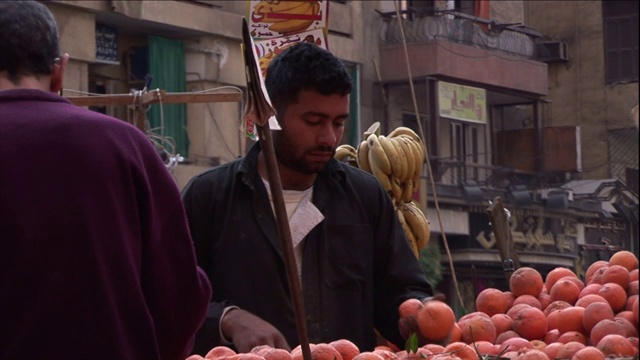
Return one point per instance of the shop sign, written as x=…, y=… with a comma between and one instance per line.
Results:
x=106, y=44
x=461, y=102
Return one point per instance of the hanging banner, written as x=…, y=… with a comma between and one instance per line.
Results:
x=462, y=102
x=275, y=25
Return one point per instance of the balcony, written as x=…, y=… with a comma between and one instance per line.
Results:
x=458, y=46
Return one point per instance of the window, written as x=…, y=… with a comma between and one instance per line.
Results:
x=620, y=40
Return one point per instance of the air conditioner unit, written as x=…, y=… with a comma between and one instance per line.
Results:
x=544, y=193
x=556, y=51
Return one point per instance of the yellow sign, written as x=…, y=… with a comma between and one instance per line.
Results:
x=462, y=102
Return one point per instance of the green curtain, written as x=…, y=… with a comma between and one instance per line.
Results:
x=167, y=66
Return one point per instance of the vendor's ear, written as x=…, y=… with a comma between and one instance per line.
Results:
x=57, y=73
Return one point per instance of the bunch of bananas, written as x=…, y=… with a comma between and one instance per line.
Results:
x=396, y=161
x=273, y=12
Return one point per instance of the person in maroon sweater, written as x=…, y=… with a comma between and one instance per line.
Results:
x=96, y=259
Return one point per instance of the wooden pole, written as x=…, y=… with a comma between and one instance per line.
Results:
x=282, y=220
x=260, y=108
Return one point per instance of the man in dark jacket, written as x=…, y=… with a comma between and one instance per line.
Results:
x=96, y=260
x=354, y=262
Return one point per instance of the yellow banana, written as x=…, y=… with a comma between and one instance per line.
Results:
x=394, y=158
x=377, y=154
x=418, y=154
x=411, y=238
x=345, y=151
x=403, y=130
x=363, y=156
x=396, y=190
x=418, y=222
x=408, y=156
x=407, y=190
x=382, y=176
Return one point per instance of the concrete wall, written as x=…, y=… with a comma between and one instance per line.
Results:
x=577, y=89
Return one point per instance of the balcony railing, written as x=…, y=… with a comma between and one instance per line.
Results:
x=465, y=29
x=457, y=172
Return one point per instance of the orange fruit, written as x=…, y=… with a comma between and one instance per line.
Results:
x=569, y=349
x=194, y=357
x=409, y=307
x=627, y=315
x=219, y=352
x=502, y=322
x=538, y=344
x=624, y=258
x=588, y=353
x=604, y=328
x=591, y=270
x=565, y=290
x=552, y=349
x=615, y=345
x=324, y=351
x=531, y=354
x=530, y=323
x=597, y=276
x=556, y=274
x=368, y=355
x=386, y=354
x=545, y=300
x=552, y=336
x=529, y=300
x=515, y=344
x=525, y=281
x=275, y=354
x=461, y=350
x=552, y=319
x=594, y=313
x=515, y=309
x=616, y=274
x=435, y=320
x=615, y=295
x=477, y=328
x=346, y=348
x=510, y=298
x=571, y=319
x=590, y=299
x=556, y=305
x=433, y=348
x=492, y=301
x=505, y=336
x=590, y=289
x=485, y=348
x=629, y=328
x=570, y=336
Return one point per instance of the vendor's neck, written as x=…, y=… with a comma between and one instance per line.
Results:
x=290, y=179
x=25, y=82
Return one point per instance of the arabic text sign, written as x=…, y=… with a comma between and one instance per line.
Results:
x=462, y=102
x=272, y=18
x=106, y=43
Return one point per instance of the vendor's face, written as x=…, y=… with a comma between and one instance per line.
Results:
x=311, y=130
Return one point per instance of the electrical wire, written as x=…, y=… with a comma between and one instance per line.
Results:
x=426, y=150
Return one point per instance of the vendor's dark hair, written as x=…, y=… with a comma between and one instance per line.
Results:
x=29, y=42
x=305, y=66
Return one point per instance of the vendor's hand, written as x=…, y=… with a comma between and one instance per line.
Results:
x=248, y=331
